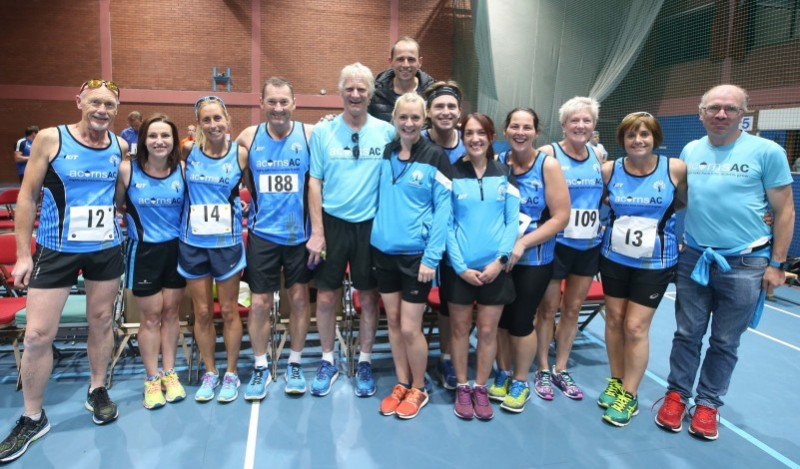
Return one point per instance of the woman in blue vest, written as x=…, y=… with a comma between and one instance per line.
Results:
x=479, y=245
x=577, y=247
x=639, y=255
x=152, y=189
x=544, y=211
x=211, y=248
x=408, y=239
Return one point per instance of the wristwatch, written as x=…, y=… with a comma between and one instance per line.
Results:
x=503, y=259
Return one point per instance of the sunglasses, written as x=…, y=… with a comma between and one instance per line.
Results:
x=638, y=114
x=209, y=98
x=95, y=83
x=356, y=151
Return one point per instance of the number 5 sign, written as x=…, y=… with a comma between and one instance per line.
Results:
x=747, y=124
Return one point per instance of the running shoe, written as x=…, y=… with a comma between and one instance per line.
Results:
x=610, y=394
x=230, y=388
x=564, y=382
x=208, y=385
x=153, y=397
x=622, y=410
x=481, y=403
x=463, y=407
x=542, y=386
x=25, y=432
x=295, y=381
x=670, y=415
x=365, y=382
x=704, y=422
x=447, y=374
x=172, y=387
x=389, y=403
x=101, y=406
x=323, y=381
x=257, y=387
x=499, y=389
x=414, y=401
x=518, y=394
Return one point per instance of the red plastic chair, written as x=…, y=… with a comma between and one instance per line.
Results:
x=8, y=198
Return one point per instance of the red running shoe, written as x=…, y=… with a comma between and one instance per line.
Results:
x=704, y=423
x=670, y=415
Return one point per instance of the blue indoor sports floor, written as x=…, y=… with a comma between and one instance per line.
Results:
x=759, y=427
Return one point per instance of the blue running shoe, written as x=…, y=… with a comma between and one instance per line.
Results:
x=365, y=382
x=295, y=381
x=428, y=385
x=257, y=387
x=326, y=376
x=208, y=383
x=230, y=388
x=447, y=374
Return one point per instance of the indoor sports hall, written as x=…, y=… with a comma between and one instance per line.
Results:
x=657, y=57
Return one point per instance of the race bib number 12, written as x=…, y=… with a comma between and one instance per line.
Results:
x=91, y=223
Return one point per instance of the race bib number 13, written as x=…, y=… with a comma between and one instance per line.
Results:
x=91, y=223
x=634, y=237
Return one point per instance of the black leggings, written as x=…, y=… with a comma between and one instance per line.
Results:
x=530, y=282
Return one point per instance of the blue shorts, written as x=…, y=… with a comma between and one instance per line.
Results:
x=220, y=263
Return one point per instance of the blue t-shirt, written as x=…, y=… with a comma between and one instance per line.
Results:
x=154, y=205
x=641, y=230
x=349, y=184
x=453, y=153
x=727, y=189
x=131, y=136
x=23, y=146
x=78, y=197
x=279, y=172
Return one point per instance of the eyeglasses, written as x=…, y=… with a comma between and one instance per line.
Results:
x=714, y=109
x=356, y=151
x=209, y=98
x=638, y=114
x=96, y=83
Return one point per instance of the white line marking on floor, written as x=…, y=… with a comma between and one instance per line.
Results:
x=252, y=433
x=782, y=310
x=750, y=329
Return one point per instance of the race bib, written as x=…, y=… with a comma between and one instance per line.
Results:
x=277, y=183
x=210, y=219
x=524, y=223
x=634, y=237
x=91, y=223
x=583, y=224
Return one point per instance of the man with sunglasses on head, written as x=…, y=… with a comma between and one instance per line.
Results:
x=403, y=76
x=346, y=153
x=74, y=168
x=731, y=257
x=279, y=228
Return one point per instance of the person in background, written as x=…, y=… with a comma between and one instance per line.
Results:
x=131, y=133
x=403, y=76
x=22, y=150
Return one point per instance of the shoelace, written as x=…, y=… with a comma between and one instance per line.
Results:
x=101, y=397
x=228, y=381
x=672, y=405
x=481, y=396
x=544, y=379
x=463, y=395
x=170, y=379
x=613, y=388
x=705, y=414
x=415, y=396
x=516, y=389
x=323, y=371
x=258, y=376
x=294, y=371
x=153, y=386
x=208, y=380
x=622, y=401
x=399, y=392
x=567, y=379
x=364, y=372
x=500, y=379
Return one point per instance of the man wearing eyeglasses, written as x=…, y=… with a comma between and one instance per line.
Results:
x=279, y=228
x=403, y=76
x=732, y=258
x=74, y=167
x=343, y=198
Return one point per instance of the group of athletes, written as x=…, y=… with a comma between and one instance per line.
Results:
x=510, y=238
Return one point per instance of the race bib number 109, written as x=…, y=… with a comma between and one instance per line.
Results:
x=583, y=224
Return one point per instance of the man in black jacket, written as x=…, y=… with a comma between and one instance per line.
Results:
x=404, y=76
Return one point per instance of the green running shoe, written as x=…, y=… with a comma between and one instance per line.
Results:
x=499, y=389
x=622, y=410
x=610, y=394
x=518, y=394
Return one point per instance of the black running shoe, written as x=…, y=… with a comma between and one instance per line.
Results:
x=101, y=406
x=24, y=433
